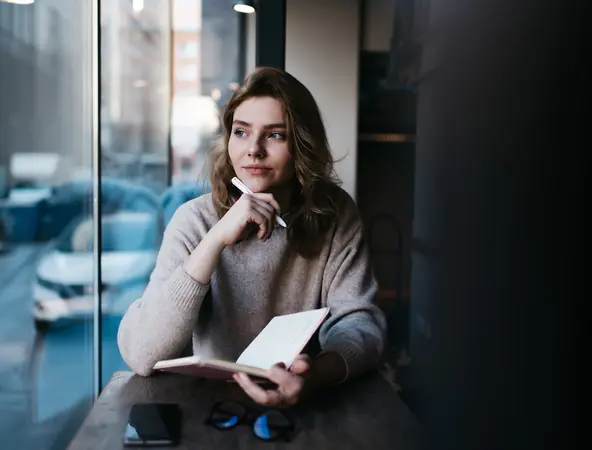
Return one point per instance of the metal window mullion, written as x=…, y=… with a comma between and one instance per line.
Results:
x=96, y=181
x=171, y=60
x=271, y=33
x=242, y=46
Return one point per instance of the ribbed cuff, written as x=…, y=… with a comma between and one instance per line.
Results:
x=184, y=291
x=353, y=359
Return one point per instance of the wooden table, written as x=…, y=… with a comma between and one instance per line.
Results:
x=365, y=413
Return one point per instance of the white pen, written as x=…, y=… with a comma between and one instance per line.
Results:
x=245, y=190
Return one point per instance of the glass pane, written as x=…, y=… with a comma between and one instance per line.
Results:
x=207, y=60
x=167, y=68
x=46, y=276
x=135, y=109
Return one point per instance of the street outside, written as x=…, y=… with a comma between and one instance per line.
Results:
x=45, y=378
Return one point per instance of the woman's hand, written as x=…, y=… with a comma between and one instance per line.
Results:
x=259, y=209
x=291, y=384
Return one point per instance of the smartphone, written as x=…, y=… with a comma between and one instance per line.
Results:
x=153, y=424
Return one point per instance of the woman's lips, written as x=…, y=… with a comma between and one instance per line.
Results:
x=257, y=170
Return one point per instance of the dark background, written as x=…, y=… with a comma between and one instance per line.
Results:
x=499, y=213
x=492, y=212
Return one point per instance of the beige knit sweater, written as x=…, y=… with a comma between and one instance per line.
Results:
x=253, y=282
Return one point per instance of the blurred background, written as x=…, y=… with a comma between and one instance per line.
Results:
x=452, y=124
x=166, y=68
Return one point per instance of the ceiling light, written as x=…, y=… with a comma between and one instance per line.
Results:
x=138, y=5
x=244, y=6
x=19, y=2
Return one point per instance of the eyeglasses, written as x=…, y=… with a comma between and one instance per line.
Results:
x=268, y=425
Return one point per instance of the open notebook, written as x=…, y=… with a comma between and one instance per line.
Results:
x=282, y=340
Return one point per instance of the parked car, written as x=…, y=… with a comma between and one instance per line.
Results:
x=72, y=199
x=64, y=283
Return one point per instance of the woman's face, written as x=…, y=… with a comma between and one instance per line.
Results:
x=258, y=144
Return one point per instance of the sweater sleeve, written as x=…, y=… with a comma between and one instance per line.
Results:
x=159, y=325
x=356, y=327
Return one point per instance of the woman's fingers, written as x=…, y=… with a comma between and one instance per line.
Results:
x=290, y=385
x=255, y=392
x=301, y=364
x=287, y=393
x=268, y=215
x=261, y=221
x=270, y=200
x=267, y=397
x=263, y=204
x=261, y=209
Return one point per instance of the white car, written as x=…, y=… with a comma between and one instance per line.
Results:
x=64, y=290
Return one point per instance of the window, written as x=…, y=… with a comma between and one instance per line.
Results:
x=45, y=156
x=187, y=50
x=166, y=66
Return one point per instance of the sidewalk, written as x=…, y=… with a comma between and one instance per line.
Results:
x=17, y=335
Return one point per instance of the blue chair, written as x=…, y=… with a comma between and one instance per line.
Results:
x=176, y=195
x=72, y=200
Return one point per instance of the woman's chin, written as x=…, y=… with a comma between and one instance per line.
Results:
x=259, y=189
x=258, y=185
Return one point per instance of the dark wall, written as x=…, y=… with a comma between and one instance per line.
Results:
x=385, y=191
x=500, y=119
x=385, y=173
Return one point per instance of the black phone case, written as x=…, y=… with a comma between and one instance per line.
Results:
x=146, y=418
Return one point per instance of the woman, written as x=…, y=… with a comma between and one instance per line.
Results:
x=225, y=268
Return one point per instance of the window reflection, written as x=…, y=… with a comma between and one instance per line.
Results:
x=206, y=66
x=135, y=92
x=135, y=127
x=45, y=179
x=167, y=67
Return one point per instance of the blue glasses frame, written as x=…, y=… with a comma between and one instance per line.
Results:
x=266, y=424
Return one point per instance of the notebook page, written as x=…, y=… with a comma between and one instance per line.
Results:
x=282, y=339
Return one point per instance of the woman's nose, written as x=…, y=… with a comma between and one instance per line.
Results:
x=256, y=150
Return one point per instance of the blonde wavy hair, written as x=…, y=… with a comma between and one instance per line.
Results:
x=313, y=209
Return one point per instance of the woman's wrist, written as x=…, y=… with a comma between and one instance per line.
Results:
x=214, y=240
x=202, y=262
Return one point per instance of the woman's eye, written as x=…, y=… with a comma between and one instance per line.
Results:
x=239, y=132
x=277, y=136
